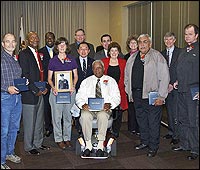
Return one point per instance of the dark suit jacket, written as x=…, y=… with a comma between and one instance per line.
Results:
x=74, y=52
x=172, y=68
x=80, y=72
x=45, y=61
x=30, y=71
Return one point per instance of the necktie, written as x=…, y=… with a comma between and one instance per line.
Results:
x=40, y=67
x=51, y=52
x=169, y=58
x=84, y=68
x=98, y=89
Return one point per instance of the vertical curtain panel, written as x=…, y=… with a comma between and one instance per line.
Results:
x=60, y=17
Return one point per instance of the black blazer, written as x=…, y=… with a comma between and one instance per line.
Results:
x=173, y=65
x=74, y=52
x=31, y=71
x=45, y=61
x=80, y=72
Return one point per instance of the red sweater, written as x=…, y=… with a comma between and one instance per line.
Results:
x=122, y=64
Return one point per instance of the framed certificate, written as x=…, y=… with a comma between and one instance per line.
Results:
x=63, y=81
x=152, y=97
x=96, y=104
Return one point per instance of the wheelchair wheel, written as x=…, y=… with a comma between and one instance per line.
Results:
x=114, y=148
x=78, y=148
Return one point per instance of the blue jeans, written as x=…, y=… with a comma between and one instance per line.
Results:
x=11, y=108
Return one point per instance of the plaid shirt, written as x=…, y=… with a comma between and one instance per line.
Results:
x=10, y=70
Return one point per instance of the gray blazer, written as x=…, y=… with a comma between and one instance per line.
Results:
x=156, y=75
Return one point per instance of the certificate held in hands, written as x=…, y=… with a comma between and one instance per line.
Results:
x=41, y=85
x=63, y=97
x=20, y=83
x=95, y=104
x=152, y=97
x=194, y=92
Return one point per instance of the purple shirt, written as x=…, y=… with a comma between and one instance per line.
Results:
x=56, y=65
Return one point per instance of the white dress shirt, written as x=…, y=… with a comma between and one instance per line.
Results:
x=109, y=89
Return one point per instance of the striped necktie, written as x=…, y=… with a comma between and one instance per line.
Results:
x=98, y=89
x=84, y=68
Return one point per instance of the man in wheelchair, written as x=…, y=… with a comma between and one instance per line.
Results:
x=105, y=96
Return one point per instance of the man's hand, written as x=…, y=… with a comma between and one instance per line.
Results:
x=45, y=91
x=13, y=90
x=39, y=93
x=107, y=107
x=159, y=102
x=85, y=107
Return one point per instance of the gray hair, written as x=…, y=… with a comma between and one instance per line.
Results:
x=144, y=35
x=98, y=61
x=170, y=34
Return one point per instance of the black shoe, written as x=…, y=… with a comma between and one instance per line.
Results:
x=151, y=153
x=174, y=141
x=34, y=152
x=86, y=153
x=178, y=148
x=48, y=133
x=138, y=133
x=193, y=156
x=167, y=136
x=101, y=153
x=141, y=146
x=43, y=147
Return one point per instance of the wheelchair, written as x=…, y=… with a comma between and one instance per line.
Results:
x=109, y=143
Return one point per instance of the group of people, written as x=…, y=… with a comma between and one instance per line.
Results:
x=124, y=81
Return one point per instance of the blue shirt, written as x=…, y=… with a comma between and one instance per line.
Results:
x=10, y=70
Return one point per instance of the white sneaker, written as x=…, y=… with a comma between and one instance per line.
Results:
x=13, y=158
x=4, y=166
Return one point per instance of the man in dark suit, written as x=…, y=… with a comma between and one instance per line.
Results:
x=32, y=100
x=106, y=39
x=47, y=52
x=171, y=54
x=83, y=50
x=80, y=37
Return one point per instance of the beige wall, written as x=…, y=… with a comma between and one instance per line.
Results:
x=97, y=20
x=107, y=17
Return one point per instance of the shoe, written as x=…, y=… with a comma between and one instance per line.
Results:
x=152, y=153
x=101, y=153
x=48, y=133
x=174, y=141
x=167, y=136
x=193, y=156
x=13, y=158
x=61, y=145
x=86, y=153
x=4, y=166
x=138, y=133
x=43, y=147
x=34, y=152
x=179, y=148
x=141, y=146
x=68, y=144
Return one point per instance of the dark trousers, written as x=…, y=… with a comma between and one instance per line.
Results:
x=149, y=120
x=188, y=118
x=171, y=105
x=47, y=113
x=132, y=121
x=117, y=121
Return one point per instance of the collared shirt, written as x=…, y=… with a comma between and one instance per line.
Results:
x=10, y=70
x=48, y=48
x=35, y=55
x=81, y=61
x=109, y=89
